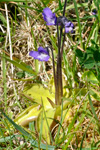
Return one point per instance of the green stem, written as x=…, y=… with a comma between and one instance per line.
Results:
x=37, y=66
x=79, y=24
x=4, y=81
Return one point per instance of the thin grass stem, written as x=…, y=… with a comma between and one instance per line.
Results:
x=4, y=80
x=10, y=46
x=8, y=31
x=79, y=24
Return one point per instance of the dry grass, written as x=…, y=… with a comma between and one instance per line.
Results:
x=22, y=42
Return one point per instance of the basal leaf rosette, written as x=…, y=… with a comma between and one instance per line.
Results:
x=43, y=112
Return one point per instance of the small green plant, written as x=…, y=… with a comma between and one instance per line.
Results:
x=90, y=59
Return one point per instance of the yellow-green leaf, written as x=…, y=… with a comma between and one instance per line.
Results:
x=48, y=117
x=58, y=108
x=28, y=115
x=40, y=94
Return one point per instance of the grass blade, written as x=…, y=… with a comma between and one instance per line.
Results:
x=91, y=33
x=60, y=5
x=19, y=64
x=79, y=24
x=84, y=136
x=72, y=124
x=19, y=128
x=25, y=133
x=92, y=108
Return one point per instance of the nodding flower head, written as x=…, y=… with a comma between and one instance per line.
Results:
x=42, y=54
x=49, y=17
x=94, y=12
x=64, y=22
x=69, y=27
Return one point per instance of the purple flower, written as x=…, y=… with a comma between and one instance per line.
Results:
x=69, y=29
x=49, y=17
x=94, y=12
x=69, y=26
x=42, y=54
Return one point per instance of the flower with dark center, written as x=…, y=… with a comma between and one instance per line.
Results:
x=49, y=17
x=42, y=54
x=64, y=22
x=94, y=12
x=69, y=27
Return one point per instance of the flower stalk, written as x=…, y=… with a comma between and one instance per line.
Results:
x=59, y=87
x=43, y=55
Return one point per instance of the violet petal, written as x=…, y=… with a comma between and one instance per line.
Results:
x=42, y=50
x=49, y=17
x=34, y=54
x=42, y=54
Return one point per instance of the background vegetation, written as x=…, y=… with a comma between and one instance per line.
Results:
x=75, y=124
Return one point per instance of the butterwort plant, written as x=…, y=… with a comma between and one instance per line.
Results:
x=62, y=23
x=42, y=97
